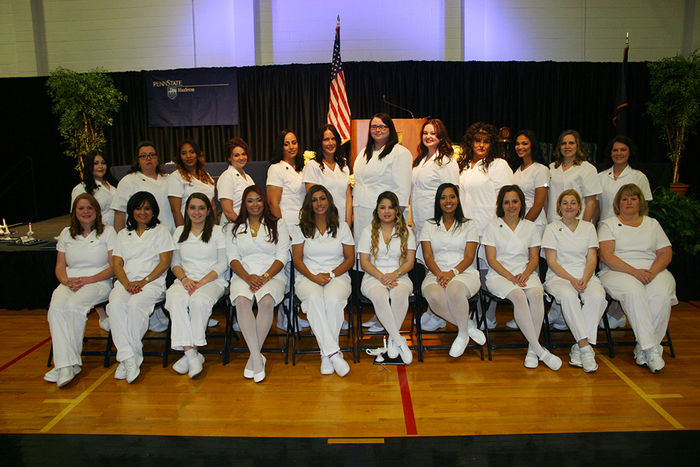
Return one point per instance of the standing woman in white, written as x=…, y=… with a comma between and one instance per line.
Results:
x=99, y=182
x=634, y=252
x=84, y=270
x=532, y=177
x=571, y=248
x=257, y=251
x=621, y=149
x=146, y=174
x=234, y=180
x=199, y=263
x=512, y=250
x=323, y=252
x=387, y=250
x=570, y=170
x=330, y=168
x=384, y=165
x=285, y=188
x=142, y=256
x=449, y=242
x=189, y=177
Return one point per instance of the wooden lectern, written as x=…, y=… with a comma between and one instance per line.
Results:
x=407, y=128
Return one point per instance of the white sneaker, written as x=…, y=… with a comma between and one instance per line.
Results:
x=551, y=360
x=195, y=365
x=340, y=366
x=575, y=356
x=120, y=373
x=588, y=359
x=65, y=376
x=458, y=346
x=654, y=360
x=476, y=334
x=490, y=323
x=531, y=360
x=181, y=366
x=326, y=366
x=405, y=352
x=434, y=323
x=512, y=324
x=392, y=350
x=51, y=376
x=375, y=328
x=371, y=322
x=212, y=323
x=617, y=323
x=158, y=322
x=132, y=369
x=640, y=357
x=104, y=324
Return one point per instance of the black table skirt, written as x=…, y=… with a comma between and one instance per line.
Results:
x=27, y=276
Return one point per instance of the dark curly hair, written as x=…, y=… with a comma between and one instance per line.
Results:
x=478, y=128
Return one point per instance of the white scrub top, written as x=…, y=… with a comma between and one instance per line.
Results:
x=178, y=187
x=135, y=182
x=142, y=254
x=231, y=185
x=388, y=257
x=323, y=253
x=104, y=197
x=284, y=176
x=478, y=190
x=533, y=177
x=393, y=173
x=512, y=246
x=87, y=256
x=610, y=186
x=448, y=245
x=336, y=182
x=636, y=246
x=198, y=258
x=426, y=178
x=257, y=254
x=582, y=178
x=571, y=247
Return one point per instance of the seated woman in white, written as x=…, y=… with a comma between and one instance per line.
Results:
x=142, y=256
x=323, y=252
x=634, y=252
x=199, y=264
x=512, y=250
x=449, y=242
x=257, y=251
x=387, y=251
x=571, y=249
x=188, y=177
x=84, y=270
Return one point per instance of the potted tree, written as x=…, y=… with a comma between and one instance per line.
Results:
x=674, y=106
x=86, y=104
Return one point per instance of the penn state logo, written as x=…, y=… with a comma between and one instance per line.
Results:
x=172, y=93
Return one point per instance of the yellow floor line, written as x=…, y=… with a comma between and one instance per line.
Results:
x=59, y=401
x=666, y=396
x=648, y=399
x=77, y=400
x=355, y=440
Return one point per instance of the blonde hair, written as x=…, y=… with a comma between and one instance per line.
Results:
x=400, y=227
x=634, y=190
x=569, y=192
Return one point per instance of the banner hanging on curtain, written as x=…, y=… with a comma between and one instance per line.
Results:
x=192, y=97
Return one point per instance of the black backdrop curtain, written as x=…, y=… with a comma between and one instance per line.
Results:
x=547, y=97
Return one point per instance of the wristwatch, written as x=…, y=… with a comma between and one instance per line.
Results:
x=456, y=271
x=147, y=279
x=266, y=276
x=332, y=274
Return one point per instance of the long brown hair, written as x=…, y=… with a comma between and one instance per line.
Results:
x=556, y=151
x=199, y=172
x=75, y=227
x=400, y=227
x=444, y=148
x=266, y=218
x=307, y=221
x=478, y=128
x=208, y=222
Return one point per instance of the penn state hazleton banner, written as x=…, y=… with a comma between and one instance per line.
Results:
x=192, y=97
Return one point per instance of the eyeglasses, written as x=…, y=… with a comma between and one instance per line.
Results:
x=152, y=155
x=378, y=127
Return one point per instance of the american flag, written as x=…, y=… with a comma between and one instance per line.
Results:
x=338, y=107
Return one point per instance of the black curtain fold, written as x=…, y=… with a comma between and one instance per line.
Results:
x=547, y=97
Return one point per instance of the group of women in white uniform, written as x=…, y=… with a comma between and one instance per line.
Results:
x=465, y=209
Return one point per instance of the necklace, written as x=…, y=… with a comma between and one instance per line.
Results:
x=254, y=230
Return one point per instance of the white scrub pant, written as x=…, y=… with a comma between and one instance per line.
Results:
x=361, y=217
x=648, y=307
x=582, y=320
x=128, y=317
x=190, y=313
x=67, y=317
x=324, y=307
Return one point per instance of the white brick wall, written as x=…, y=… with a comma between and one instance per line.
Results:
x=16, y=39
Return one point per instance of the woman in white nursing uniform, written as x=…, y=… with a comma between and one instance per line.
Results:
x=99, y=182
x=449, y=242
x=146, y=174
x=142, y=256
x=634, y=252
x=84, y=270
x=621, y=149
x=330, y=168
x=570, y=170
x=188, y=177
x=285, y=188
x=532, y=177
x=257, y=251
x=387, y=250
x=233, y=180
x=571, y=249
x=199, y=263
x=384, y=165
x=512, y=250
x=323, y=252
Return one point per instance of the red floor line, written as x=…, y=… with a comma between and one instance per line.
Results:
x=406, y=400
x=20, y=357
x=693, y=304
